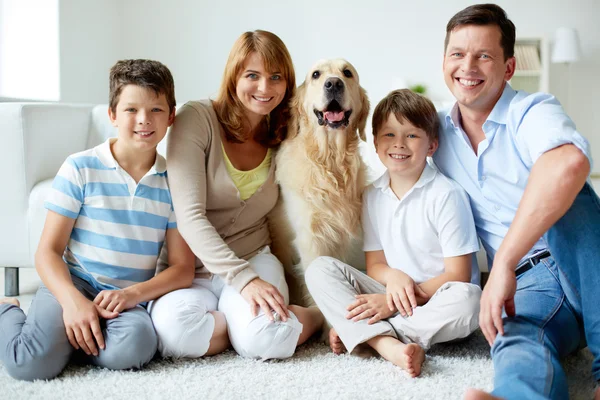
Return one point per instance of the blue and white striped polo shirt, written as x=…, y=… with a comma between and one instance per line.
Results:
x=120, y=224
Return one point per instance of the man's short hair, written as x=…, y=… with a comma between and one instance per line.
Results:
x=148, y=74
x=406, y=105
x=486, y=14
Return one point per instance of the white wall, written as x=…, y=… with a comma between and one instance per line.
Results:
x=389, y=41
x=91, y=40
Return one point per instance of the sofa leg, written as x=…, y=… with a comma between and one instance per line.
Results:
x=11, y=281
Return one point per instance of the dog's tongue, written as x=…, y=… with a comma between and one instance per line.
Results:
x=333, y=116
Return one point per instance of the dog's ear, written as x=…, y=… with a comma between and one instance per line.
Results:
x=363, y=114
x=296, y=112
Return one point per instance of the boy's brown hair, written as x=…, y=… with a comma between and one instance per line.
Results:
x=486, y=14
x=228, y=107
x=148, y=74
x=406, y=105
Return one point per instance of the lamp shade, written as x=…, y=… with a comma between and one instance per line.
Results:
x=566, y=46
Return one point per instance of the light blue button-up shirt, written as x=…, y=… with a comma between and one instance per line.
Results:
x=520, y=128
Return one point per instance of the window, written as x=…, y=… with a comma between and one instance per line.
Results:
x=29, y=52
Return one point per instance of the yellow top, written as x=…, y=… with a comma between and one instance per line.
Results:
x=248, y=182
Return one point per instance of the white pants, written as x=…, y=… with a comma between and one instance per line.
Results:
x=451, y=313
x=184, y=324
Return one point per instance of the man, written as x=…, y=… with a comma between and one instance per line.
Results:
x=524, y=166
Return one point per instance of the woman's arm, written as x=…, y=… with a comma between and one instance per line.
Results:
x=188, y=144
x=187, y=149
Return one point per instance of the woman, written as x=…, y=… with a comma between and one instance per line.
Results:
x=221, y=175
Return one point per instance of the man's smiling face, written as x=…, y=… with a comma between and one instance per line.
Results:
x=474, y=67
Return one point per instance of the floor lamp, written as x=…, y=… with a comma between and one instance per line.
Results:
x=566, y=50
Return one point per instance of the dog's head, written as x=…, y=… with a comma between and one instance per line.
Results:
x=331, y=96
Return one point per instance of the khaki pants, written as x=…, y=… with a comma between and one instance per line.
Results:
x=451, y=313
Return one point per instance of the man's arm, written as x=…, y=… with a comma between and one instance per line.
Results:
x=555, y=180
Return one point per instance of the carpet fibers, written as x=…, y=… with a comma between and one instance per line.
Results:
x=312, y=373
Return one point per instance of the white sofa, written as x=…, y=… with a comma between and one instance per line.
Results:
x=37, y=138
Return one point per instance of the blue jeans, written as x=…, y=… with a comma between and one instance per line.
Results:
x=557, y=309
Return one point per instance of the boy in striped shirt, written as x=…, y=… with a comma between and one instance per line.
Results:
x=109, y=213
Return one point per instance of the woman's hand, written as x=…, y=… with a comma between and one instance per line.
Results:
x=373, y=306
x=116, y=300
x=402, y=293
x=259, y=293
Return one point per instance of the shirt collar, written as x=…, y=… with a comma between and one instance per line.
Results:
x=452, y=117
x=499, y=112
x=383, y=182
x=106, y=157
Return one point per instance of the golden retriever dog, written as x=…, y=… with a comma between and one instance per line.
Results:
x=320, y=171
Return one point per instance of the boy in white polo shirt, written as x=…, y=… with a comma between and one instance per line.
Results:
x=109, y=213
x=419, y=237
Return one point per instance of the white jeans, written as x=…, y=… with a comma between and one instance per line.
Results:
x=184, y=324
x=451, y=313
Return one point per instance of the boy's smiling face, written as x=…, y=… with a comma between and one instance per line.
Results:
x=403, y=148
x=142, y=118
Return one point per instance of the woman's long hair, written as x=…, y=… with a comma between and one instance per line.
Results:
x=230, y=110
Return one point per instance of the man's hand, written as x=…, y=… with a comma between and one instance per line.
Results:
x=116, y=300
x=499, y=292
x=336, y=343
x=402, y=293
x=83, y=325
x=373, y=306
x=259, y=293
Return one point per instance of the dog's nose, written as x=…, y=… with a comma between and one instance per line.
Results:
x=334, y=85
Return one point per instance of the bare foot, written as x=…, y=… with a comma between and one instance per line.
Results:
x=597, y=394
x=335, y=342
x=410, y=358
x=10, y=300
x=311, y=319
x=475, y=394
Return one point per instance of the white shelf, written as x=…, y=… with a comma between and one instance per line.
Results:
x=528, y=73
x=533, y=65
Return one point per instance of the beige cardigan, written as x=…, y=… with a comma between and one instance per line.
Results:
x=222, y=230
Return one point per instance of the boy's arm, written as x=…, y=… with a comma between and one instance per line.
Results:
x=456, y=269
x=402, y=292
x=179, y=275
x=79, y=314
x=457, y=237
x=378, y=268
x=48, y=258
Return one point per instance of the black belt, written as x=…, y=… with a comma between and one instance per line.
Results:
x=531, y=262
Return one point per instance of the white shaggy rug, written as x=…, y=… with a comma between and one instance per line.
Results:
x=312, y=373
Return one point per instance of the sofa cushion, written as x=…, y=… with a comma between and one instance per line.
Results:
x=36, y=215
